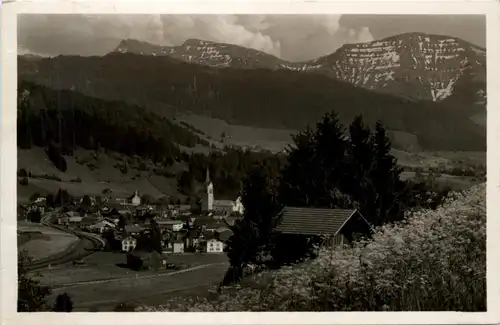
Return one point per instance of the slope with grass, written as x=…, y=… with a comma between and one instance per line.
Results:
x=96, y=173
x=432, y=261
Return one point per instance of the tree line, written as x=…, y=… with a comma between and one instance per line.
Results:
x=326, y=167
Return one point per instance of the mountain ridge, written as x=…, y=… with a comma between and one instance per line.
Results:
x=375, y=65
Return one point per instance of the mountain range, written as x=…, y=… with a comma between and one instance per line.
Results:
x=424, y=86
x=413, y=65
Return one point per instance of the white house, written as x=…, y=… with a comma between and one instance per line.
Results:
x=175, y=247
x=40, y=200
x=75, y=220
x=101, y=226
x=238, y=206
x=175, y=225
x=129, y=243
x=215, y=246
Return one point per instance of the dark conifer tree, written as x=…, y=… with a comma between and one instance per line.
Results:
x=330, y=146
x=385, y=175
x=359, y=161
x=297, y=182
x=252, y=236
x=156, y=237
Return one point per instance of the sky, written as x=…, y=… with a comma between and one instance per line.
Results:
x=290, y=37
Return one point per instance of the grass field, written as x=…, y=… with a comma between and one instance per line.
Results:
x=271, y=139
x=104, y=266
x=104, y=296
x=25, y=236
x=101, y=283
x=45, y=243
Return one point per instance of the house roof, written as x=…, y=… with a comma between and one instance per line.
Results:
x=225, y=203
x=209, y=223
x=311, y=221
x=224, y=235
x=129, y=238
x=132, y=228
x=103, y=223
x=169, y=222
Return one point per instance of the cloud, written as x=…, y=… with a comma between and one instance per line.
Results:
x=219, y=28
x=291, y=37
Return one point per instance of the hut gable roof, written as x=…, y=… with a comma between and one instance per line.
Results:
x=311, y=221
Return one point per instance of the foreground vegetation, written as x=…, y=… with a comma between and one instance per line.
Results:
x=434, y=260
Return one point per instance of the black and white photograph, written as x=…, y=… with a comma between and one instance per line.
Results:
x=320, y=162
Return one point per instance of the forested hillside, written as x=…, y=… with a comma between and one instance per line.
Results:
x=73, y=120
x=258, y=97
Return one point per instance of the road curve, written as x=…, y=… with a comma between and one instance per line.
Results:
x=85, y=246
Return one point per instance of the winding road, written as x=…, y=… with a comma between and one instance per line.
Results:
x=86, y=245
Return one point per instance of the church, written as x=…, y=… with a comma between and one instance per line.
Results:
x=220, y=207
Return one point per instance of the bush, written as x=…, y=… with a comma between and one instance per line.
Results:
x=63, y=303
x=434, y=260
x=134, y=262
x=23, y=173
x=24, y=181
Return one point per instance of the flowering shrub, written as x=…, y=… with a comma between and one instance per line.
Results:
x=434, y=260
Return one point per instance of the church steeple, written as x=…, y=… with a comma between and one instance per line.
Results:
x=207, y=180
x=210, y=192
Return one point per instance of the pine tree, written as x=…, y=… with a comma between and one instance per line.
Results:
x=252, y=236
x=156, y=237
x=86, y=201
x=297, y=182
x=385, y=175
x=330, y=146
x=63, y=303
x=360, y=156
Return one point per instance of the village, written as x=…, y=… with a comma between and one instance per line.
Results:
x=125, y=224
